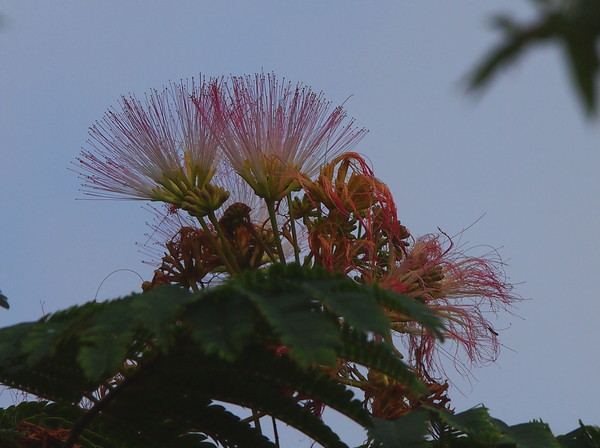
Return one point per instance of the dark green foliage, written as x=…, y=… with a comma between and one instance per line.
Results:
x=300, y=308
x=289, y=313
x=409, y=307
x=111, y=334
x=583, y=437
x=475, y=422
x=153, y=368
x=431, y=427
x=222, y=322
x=381, y=357
x=573, y=24
x=55, y=377
x=534, y=434
x=259, y=380
x=256, y=341
x=474, y=428
x=45, y=415
x=180, y=412
x=406, y=432
x=3, y=301
x=65, y=355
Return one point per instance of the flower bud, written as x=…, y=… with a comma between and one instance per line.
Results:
x=302, y=208
x=200, y=202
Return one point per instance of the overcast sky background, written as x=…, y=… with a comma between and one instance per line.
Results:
x=522, y=154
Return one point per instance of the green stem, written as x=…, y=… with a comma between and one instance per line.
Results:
x=253, y=417
x=273, y=216
x=357, y=373
x=261, y=242
x=349, y=382
x=293, y=226
x=217, y=246
x=257, y=416
x=275, y=432
x=194, y=286
x=226, y=246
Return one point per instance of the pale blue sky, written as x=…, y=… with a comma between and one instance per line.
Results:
x=523, y=155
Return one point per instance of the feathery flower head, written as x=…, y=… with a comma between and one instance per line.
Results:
x=271, y=131
x=152, y=150
x=460, y=288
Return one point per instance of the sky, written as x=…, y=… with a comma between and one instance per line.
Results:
x=515, y=167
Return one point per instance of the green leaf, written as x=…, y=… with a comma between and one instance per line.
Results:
x=574, y=25
x=3, y=301
x=380, y=356
x=108, y=340
x=11, y=340
x=410, y=307
x=45, y=415
x=192, y=349
x=294, y=315
x=534, y=434
x=157, y=311
x=222, y=322
x=44, y=339
x=583, y=437
x=189, y=380
x=517, y=39
x=58, y=378
x=406, y=432
x=582, y=56
x=344, y=297
x=47, y=334
x=475, y=422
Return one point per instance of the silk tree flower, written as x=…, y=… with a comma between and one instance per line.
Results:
x=271, y=131
x=461, y=289
x=352, y=217
x=154, y=150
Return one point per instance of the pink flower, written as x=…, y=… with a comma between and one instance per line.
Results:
x=461, y=289
x=272, y=131
x=150, y=150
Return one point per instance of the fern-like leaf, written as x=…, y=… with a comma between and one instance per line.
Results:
x=380, y=356
x=411, y=308
x=186, y=376
x=294, y=315
x=222, y=322
x=475, y=422
x=406, y=432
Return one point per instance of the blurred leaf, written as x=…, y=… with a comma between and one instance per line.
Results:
x=517, y=39
x=3, y=301
x=535, y=434
x=572, y=24
x=583, y=61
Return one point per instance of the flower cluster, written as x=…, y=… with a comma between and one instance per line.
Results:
x=257, y=171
